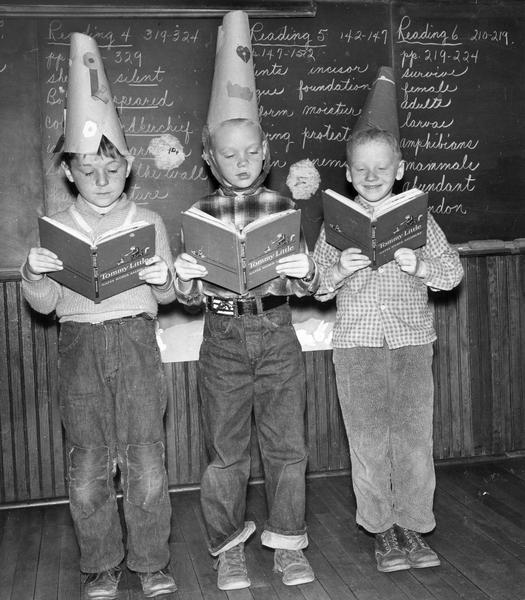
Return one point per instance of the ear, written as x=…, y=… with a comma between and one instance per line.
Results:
x=129, y=160
x=264, y=146
x=400, y=170
x=67, y=171
x=206, y=156
x=348, y=174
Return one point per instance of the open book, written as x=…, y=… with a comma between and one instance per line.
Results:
x=399, y=223
x=240, y=261
x=102, y=268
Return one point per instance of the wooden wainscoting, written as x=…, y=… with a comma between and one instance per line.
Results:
x=478, y=367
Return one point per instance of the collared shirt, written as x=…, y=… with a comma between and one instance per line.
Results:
x=240, y=210
x=387, y=303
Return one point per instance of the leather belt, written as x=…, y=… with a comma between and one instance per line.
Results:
x=142, y=315
x=237, y=307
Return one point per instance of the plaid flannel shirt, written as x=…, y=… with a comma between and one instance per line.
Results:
x=387, y=303
x=242, y=209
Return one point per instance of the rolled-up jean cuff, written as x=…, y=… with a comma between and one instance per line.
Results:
x=284, y=542
x=249, y=528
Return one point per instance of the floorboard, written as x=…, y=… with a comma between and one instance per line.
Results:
x=480, y=538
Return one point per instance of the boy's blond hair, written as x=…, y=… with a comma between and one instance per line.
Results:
x=372, y=135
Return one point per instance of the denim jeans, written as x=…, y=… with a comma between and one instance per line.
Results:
x=112, y=400
x=386, y=398
x=253, y=365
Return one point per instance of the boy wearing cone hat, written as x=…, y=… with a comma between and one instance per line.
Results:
x=250, y=359
x=111, y=387
x=382, y=341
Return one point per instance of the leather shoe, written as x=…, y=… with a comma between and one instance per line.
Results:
x=420, y=555
x=157, y=583
x=102, y=585
x=389, y=555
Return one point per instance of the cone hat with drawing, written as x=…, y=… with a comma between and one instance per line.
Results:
x=90, y=112
x=233, y=93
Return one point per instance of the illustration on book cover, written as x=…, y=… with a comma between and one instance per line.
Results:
x=133, y=254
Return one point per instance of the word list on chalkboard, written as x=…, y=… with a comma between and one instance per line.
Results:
x=461, y=85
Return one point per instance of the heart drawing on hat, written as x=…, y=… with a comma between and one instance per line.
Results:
x=244, y=53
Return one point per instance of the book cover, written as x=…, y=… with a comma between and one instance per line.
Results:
x=103, y=268
x=400, y=223
x=240, y=261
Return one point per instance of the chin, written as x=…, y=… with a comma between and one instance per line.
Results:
x=244, y=183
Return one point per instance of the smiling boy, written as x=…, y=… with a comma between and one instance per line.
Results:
x=382, y=341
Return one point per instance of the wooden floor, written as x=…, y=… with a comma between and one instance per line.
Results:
x=480, y=537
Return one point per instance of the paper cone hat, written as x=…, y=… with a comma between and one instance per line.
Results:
x=380, y=109
x=233, y=93
x=90, y=112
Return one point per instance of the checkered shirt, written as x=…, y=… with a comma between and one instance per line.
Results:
x=387, y=303
x=243, y=209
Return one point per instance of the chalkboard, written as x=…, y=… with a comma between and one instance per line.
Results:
x=461, y=70
x=460, y=73
x=21, y=193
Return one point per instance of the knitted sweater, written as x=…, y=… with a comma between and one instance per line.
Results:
x=46, y=295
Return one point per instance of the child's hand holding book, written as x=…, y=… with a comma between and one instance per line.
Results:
x=295, y=265
x=155, y=272
x=41, y=261
x=409, y=262
x=187, y=268
x=350, y=261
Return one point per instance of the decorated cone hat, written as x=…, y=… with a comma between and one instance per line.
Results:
x=233, y=93
x=380, y=110
x=90, y=112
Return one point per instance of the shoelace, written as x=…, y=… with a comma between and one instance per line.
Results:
x=292, y=557
x=112, y=574
x=389, y=540
x=233, y=560
x=414, y=540
x=154, y=575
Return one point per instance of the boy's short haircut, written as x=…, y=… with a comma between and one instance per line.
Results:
x=208, y=136
x=106, y=148
x=372, y=135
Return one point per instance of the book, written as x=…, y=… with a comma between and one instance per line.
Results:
x=240, y=260
x=101, y=268
x=399, y=223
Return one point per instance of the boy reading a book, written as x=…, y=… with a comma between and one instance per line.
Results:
x=111, y=387
x=382, y=341
x=250, y=359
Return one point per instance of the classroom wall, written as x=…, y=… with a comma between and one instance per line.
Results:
x=468, y=129
x=478, y=373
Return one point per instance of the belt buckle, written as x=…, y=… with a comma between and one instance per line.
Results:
x=222, y=307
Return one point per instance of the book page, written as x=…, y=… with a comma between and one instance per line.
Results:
x=267, y=219
x=116, y=231
x=67, y=229
x=394, y=201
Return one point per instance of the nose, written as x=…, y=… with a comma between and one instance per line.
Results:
x=242, y=160
x=370, y=175
x=102, y=178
